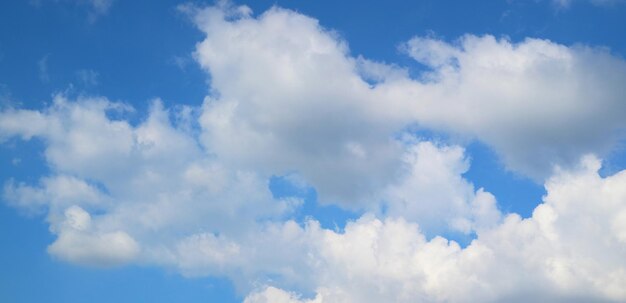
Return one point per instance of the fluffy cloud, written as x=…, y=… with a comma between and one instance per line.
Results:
x=188, y=188
x=537, y=103
x=284, y=85
x=204, y=218
x=571, y=249
x=56, y=192
x=432, y=191
x=155, y=182
x=77, y=242
x=150, y=180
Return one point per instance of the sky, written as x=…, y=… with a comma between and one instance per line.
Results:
x=313, y=151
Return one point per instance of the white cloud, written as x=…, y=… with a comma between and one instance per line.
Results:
x=188, y=189
x=431, y=190
x=557, y=252
x=78, y=243
x=155, y=184
x=276, y=96
x=570, y=250
x=284, y=85
x=12, y=124
x=537, y=103
x=151, y=181
x=55, y=192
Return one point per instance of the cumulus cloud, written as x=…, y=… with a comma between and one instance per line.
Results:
x=187, y=188
x=156, y=181
x=54, y=192
x=274, y=95
x=571, y=249
x=78, y=243
x=203, y=218
x=149, y=180
x=432, y=191
x=537, y=103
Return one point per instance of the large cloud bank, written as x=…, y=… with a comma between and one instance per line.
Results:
x=187, y=188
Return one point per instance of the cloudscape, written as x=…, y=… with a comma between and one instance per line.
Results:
x=310, y=151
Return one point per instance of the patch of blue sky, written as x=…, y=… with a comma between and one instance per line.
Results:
x=137, y=53
x=375, y=29
x=23, y=161
x=615, y=161
x=515, y=193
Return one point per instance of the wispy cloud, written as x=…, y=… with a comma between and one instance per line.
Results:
x=181, y=61
x=88, y=77
x=42, y=64
x=95, y=8
x=567, y=3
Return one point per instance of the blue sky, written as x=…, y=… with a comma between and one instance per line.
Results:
x=312, y=151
